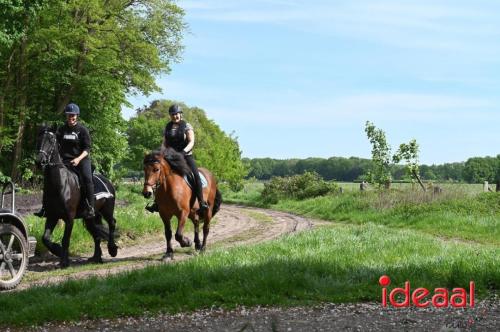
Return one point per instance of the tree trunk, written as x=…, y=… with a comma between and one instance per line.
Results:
x=3, y=92
x=21, y=106
x=417, y=177
x=498, y=186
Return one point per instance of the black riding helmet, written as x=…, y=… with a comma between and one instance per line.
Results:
x=174, y=109
x=72, y=109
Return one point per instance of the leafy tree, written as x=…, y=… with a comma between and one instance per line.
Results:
x=92, y=52
x=479, y=169
x=381, y=156
x=214, y=149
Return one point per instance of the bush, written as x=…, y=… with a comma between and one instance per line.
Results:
x=306, y=185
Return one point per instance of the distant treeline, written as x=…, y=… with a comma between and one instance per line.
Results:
x=474, y=170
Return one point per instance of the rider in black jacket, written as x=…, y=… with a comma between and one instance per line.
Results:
x=74, y=147
x=180, y=135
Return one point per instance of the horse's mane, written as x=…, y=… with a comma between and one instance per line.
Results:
x=175, y=159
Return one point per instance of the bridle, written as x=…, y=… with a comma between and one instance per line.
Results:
x=157, y=183
x=47, y=155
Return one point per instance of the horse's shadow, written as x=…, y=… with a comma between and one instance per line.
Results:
x=47, y=262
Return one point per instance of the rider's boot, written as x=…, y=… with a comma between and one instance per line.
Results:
x=152, y=207
x=40, y=213
x=89, y=211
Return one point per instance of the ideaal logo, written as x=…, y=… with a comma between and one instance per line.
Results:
x=419, y=297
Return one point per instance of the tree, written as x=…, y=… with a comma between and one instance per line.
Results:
x=381, y=156
x=92, y=52
x=409, y=153
x=479, y=169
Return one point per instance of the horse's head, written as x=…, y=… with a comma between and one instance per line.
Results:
x=46, y=146
x=152, y=172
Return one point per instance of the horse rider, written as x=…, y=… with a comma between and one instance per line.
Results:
x=74, y=147
x=179, y=135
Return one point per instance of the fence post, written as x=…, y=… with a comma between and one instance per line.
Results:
x=485, y=186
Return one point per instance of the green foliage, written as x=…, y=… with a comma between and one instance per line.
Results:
x=477, y=169
x=381, y=156
x=214, y=149
x=301, y=186
x=91, y=52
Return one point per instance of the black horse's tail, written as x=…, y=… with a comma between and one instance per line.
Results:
x=217, y=202
x=97, y=228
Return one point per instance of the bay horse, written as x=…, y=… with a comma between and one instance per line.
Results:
x=164, y=172
x=62, y=201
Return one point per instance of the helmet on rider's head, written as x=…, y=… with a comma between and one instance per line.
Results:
x=174, y=109
x=72, y=109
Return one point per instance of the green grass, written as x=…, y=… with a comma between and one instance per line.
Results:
x=334, y=264
x=459, y=212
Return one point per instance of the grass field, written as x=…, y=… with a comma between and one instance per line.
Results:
x=432, y=241
x=336, y=264
x=460, y=212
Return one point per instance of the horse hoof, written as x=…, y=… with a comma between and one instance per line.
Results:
x=63, y=265
x=186, y=243
x=197, y=246
x=112, y=250
x=168, y=256
x=95, y=260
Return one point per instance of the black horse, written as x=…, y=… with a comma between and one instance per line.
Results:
x=62, y=201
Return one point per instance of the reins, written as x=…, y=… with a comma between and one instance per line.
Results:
x=48, y=156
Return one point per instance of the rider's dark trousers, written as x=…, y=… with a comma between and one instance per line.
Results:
x=199, y=188
x=85, y=171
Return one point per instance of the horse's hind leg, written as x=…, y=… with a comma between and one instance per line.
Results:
x=107, y=212
x=90, y=226
x=54, y=248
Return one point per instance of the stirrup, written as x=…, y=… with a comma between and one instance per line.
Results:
x=89, y=213
x=152, y=207
x=40, y=213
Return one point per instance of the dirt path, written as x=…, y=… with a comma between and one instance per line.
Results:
x=235, y=225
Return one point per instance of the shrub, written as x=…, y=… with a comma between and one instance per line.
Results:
x=307, y=185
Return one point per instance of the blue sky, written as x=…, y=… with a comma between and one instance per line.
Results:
x=301, y=78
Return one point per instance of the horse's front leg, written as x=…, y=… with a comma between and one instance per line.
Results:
x=169, y=254
x=183, y=241
x=54, y=248
x=68, y=228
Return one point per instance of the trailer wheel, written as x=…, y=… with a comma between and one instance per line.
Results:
x=13, y=256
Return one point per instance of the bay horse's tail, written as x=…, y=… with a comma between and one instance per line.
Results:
x=217, y=202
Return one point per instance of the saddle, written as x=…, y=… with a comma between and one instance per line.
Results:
x=189, y=178
x=100, y=188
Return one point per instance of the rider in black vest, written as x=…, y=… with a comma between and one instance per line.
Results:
x=180, y=135
x=74, y=147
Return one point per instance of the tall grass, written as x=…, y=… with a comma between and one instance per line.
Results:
x=334, y=264
x=455, y=213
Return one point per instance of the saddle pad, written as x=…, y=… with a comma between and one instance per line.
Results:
x=204, y=182
x=100, y=188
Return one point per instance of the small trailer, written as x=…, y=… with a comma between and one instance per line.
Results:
x=16, y=246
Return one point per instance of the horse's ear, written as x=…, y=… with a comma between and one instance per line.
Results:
x=53, y=128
